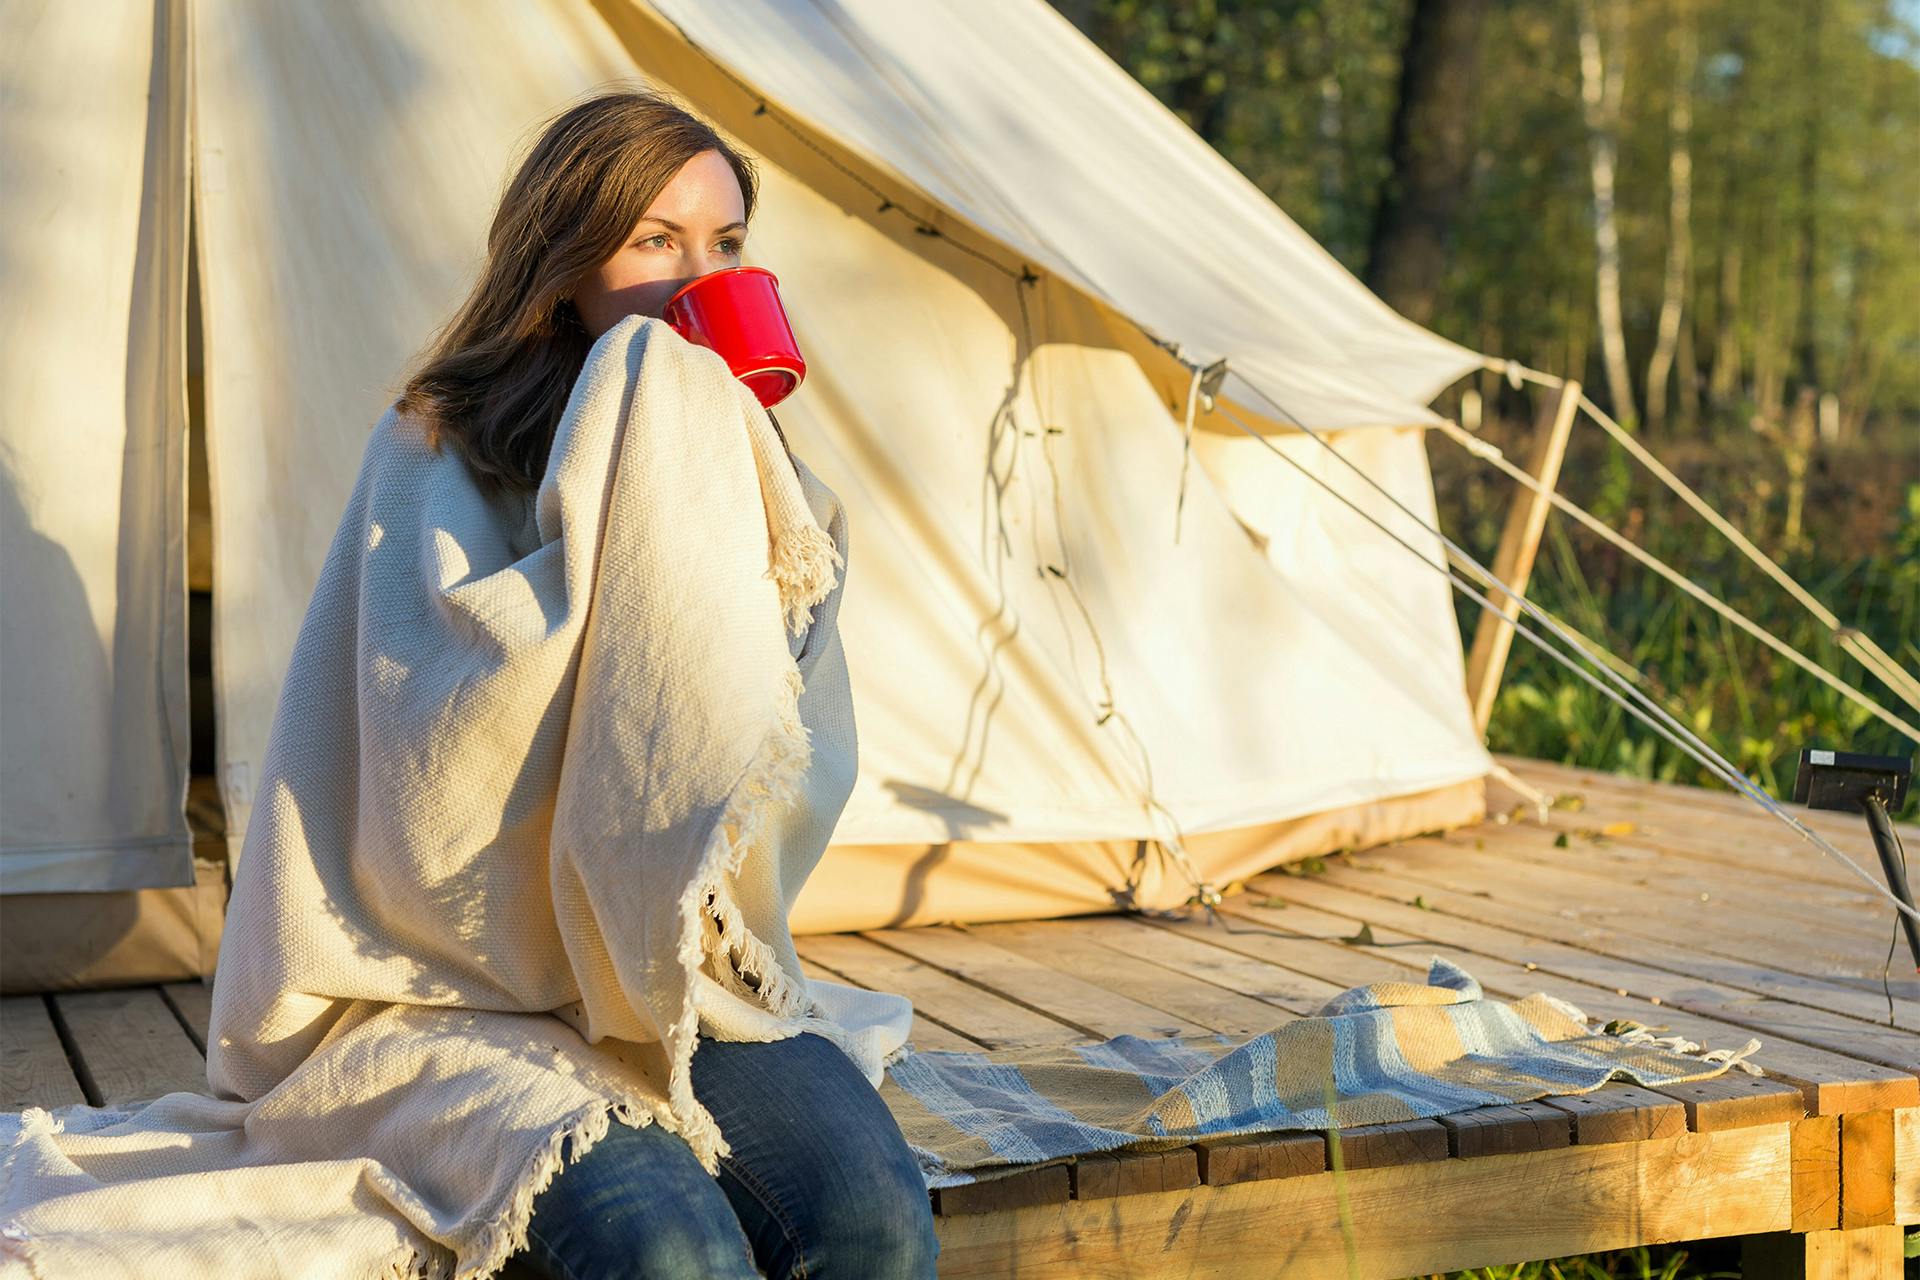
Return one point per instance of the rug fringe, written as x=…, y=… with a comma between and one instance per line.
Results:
x=1680, y=1044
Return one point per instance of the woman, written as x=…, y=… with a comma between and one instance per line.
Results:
x=506, y=970
x=624, y=198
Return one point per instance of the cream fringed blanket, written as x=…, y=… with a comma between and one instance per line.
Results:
x=543, y=779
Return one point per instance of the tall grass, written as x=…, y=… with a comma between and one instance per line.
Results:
x=1859, y=553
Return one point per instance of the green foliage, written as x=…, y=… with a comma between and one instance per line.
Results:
x=1751, y=704
x=1805, y=177
x=1656, y=1262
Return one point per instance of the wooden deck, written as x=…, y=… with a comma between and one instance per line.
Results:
x=1678, y=908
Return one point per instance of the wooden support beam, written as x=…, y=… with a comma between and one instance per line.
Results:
x=1439, y=1215
x=1866, y=1169
x=1906, y=1165
x=1513, y=562
x=1816, y=1173
x=1866, y=1253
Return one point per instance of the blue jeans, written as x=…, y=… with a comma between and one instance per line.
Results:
x=820, y=1182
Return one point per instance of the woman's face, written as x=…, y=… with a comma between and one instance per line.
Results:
x=697, y=224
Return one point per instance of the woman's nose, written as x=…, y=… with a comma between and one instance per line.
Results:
x=700, y=262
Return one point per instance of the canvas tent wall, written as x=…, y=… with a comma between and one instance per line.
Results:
x=1004, y=260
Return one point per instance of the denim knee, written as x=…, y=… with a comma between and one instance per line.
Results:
x=654, y=1246
x=637, y=1204
x=886, y=1232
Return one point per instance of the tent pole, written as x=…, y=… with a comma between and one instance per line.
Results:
x=1519, y=542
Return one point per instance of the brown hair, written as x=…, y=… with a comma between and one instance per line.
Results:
x=496, y=377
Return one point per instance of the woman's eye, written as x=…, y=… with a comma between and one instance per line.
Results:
x=657, y=241
x=731, y=247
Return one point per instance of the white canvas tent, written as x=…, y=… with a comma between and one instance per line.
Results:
x=1004, y=260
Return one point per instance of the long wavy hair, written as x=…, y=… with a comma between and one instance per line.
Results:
x=496, y=376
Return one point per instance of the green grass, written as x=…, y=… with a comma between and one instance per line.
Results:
x=1702, y=1260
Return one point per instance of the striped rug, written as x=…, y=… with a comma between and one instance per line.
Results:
x=1381, y=1052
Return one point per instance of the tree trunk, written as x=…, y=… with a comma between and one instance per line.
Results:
x=1679, y=216
x=1431, y=150
x=1602, y=83
x=1724, y=383
x=1806, y=348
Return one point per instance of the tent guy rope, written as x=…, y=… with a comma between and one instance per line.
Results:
x=1490, y=453
x=1672, y=730
x=1856, y=642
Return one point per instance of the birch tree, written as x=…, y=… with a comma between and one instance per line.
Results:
x=1602, y=87
x=1679, y=214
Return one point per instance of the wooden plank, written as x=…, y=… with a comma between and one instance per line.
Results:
x=1648, y=943
x=1736, y=1100
x=1620, y=964
x=1755, y=844
x=1620, y=1112
x=982, y=1017
x=1511, y=895
x=927, y=1032
x=1507, y=966
x=1702, y=826
x=1081, y=1003
x=192, y=1003
x=1632, y=863
x=1470, y=1213
x=1133, y=937
x=1103, y=1175
x=1869, y=1042
x=1679, y=797
x=1869, y=1253
x=1507, y=1129
x=1069, y=950
x=1258, y=1156
x=34, y=1071
x=1763, y=849
x=1676, y=797
x=131, y=1044
x=1047, y=1185
x=1866, y=1169
x=1816, y=1173
x=1380, y=1146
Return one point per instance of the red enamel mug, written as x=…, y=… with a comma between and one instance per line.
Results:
x=736, y=311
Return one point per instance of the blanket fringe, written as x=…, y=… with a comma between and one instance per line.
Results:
x=739, y=951
x=804, y=561
x=506, y=1234
x=15, y=1243
x=774, y=778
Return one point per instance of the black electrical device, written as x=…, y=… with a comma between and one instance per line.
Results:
x=1873, y=785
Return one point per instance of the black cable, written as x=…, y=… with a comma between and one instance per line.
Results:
x=1885, y=985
